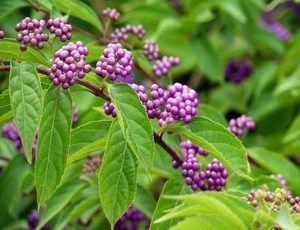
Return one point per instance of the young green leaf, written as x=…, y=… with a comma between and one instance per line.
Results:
x=10, y=49
x=79, y=10
x=117, y=176
x=26, y=102
x=62, y=196
x=218, y=141
x=53, y=142
x=134, y=122
x=174, y=186
x=284, y=219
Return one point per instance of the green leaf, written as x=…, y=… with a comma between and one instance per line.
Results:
x=174, y=186
x=117, y=176
x=10, y=184
x=62, y=196
x=212, y=113
x=233, y=8
x=207, y=58
x=217, y=140
x=79, y=10
x=134, y=122
x=144, y=201
x=276, y=163
x=5, y=108
x=293, y=132
x=53, y=142
x=284, y=219
x=9, y=6
x=10, y=49
x=88, y=133
x=230, y=209
x=26, y=102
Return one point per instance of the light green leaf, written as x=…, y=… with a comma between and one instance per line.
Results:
x=10, y=185
x=293, y=132
x=217, y=140
x=26, y=102
x=53, y=142
x=134, y=122
x=284, y=219
x=117, y=176
x=10, y=49
x=233, y=8
x=4, y=103
x=174, y=186
x=79, y=10
x=212, y=113
x=62, y=196
x=276, y=163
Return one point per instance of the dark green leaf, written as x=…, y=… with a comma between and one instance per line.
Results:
x=144, y=201
x=117, y=176
x=134, y=122
x=53, y=142
x=26, y=102
x=9, y=6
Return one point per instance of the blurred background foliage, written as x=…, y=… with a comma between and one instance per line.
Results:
x=206, y=35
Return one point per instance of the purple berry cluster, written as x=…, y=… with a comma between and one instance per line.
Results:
x=274, y=26
x=60, y=28
x=92, y=164
x=123, y=33
x=241, y=124
x=237, y=71
x=215, y=176
x=115, y=62
x=281, y=180
x=2, y=34
x=157, y=101
x=69, y=64
x=133, y=219
x=75, y=116
x=11, y=132
x=31, y=32
x=181, y=103
x=109, y=109
x=163, y=66
x=33, y=221
x=111, y=13
x=151, y=50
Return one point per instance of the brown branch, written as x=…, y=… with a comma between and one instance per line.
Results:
x=99, y=93
x=158, y=139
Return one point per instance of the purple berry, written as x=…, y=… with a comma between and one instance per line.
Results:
x=281, y=180
x=115, y=62
x=31, y=33
x=111, y=13
x=60, y=28
x=92, y=164
x=2, y=34
x=151, y=50
x=163, y=66
x=123, y=33
x=241, y=124
x=69, y=65
x=237, y=71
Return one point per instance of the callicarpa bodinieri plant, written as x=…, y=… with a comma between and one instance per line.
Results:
x=159, y=115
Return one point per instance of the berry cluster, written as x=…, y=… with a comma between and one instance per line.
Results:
x=60, y=28
x=33, y=221
x=92, y=164
x=109, y=109
x=69, y=64
x=215, y=176
x=132, y=220
x=115, y=62
x=31, y=32
x=75, y=116
x=11, y=132
x=111, y=13
x=123, y=33
x=181, y=103
x=237, y=71
x=163, y=66
x=275, y=200
x=151, y=50
x=2, y=34
x=239, y=125
x=129, y=79
x=281, y=180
